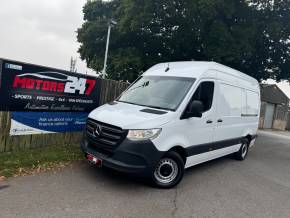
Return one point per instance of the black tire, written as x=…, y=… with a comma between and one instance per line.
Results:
x=243, y=152
x=171, y=166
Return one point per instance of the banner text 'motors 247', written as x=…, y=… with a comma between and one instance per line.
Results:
x=26, y=87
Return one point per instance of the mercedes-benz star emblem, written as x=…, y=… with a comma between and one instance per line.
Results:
x=97, y=131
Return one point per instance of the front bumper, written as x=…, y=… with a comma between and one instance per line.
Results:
x=133, y=157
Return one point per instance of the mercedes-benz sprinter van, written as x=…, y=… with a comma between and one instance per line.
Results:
x=176, y=115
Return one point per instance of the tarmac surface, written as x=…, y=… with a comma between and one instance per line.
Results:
x=257, y=187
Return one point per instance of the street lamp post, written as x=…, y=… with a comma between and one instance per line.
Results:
x=110, y=25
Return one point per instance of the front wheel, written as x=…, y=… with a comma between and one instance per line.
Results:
x=168, y=171
x=243, y=152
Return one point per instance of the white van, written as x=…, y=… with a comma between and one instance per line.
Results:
x=176, y=115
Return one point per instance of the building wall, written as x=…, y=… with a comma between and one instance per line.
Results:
x=262, y=114
x=288, y=121
x=280, y=117
x=273, y=95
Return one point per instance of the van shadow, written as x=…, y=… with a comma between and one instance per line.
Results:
x=114, y=178
x=127, y=181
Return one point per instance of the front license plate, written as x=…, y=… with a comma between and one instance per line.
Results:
x=94, y=160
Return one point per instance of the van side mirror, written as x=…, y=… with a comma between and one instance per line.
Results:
x=194, y=110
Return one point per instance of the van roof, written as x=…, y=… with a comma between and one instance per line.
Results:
x=194, y=69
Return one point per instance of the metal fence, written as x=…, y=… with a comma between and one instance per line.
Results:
x=109, y=91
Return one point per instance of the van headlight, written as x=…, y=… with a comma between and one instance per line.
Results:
x=143, y=134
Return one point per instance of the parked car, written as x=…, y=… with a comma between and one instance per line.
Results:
x=176, y=115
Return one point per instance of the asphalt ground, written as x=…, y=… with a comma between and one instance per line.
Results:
x=257, y=187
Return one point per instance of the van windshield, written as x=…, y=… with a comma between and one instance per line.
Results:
x=160, y=92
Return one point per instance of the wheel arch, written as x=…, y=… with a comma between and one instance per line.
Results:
x=249, y=137
x=181, y=151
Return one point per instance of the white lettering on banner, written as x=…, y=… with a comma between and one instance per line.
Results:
x=17, y=96
x=13, y=66
x=45, y=98
x=75, y=84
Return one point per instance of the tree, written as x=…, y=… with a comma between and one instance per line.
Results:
x=249, y=35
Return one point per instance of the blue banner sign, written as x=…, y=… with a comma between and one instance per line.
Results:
x=26, y=123
x=28, y=87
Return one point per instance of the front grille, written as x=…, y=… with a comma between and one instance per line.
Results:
x=109, y=138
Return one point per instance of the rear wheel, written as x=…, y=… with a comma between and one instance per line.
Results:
x=168, y=171
x=243, y=152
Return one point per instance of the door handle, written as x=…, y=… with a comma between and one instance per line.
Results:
x=220, y=120
x=209, y=121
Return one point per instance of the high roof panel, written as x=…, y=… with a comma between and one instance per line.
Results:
x=194, y=69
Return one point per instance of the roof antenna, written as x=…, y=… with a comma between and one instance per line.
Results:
x=167, y=69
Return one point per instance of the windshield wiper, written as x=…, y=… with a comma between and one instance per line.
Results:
x=155, y=107
x=143, y=85
x=129, y=103
x=160, y=108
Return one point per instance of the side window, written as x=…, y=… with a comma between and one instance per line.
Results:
x=244, y=102
x=252, y=103
x=230, y=101
x=204, y=93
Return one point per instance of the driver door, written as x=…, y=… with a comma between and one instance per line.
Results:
x=199, y=132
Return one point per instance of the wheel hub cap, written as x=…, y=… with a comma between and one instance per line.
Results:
x=166, y=171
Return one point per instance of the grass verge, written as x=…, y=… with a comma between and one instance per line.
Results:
x=27, y=162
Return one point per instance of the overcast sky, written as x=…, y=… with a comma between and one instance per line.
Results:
x=43, y=32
